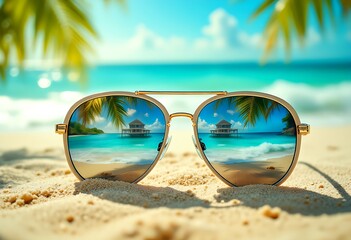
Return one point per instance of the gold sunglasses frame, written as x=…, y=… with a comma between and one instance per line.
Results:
x=301, y=129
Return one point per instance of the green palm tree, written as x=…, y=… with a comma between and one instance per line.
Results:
x=61, y=29
x=250, y=109
x=289, y=17
x=92, y=109
x=289, y=121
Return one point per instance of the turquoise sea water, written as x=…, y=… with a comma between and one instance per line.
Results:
x=231, y=77
x=320, y=92
x=247, y=147
x=113, y=148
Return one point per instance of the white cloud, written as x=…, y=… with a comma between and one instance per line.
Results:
x=231, y=112
x=236, y=124
x=215, y=114
x=99, y=119
x=146, y=114
x=221, y=39
x=130, y=112
x=155, y=126
x=221, y=29
x=254, y=40
x=203, y=125
x=146, y=39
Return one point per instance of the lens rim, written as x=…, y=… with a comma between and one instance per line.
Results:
x=112, y=94
x=251, y=94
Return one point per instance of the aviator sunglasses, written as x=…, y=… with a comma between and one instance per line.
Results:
x=244, y=137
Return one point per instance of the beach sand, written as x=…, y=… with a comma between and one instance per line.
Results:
x=180, y=199
x=112, y=171
x=265, y=172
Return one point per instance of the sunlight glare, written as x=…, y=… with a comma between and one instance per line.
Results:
x=44, y=82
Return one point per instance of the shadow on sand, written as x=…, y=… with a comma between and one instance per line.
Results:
x=290, y=199
x=12, y=156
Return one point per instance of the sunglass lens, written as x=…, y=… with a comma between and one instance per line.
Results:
x=248, y=139
x=115, y=137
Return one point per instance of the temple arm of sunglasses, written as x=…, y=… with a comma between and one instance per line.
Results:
x=181, y=92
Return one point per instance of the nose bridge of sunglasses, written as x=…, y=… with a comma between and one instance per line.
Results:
x=202, y=145
x=180, y=114
x=165, y=148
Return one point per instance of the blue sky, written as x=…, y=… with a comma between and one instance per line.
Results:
x=188, y=31
x=152, y=117
x=210, y=116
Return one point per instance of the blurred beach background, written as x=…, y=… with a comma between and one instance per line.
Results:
x=53, y=53
x=181, y=46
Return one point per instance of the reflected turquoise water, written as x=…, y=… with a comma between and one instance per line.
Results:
x=113, y=148
x=248, y=147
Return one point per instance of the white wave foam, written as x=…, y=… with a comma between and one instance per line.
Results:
x=321, y=106
x=261, y=152
x=318, y=106
x=35, y=114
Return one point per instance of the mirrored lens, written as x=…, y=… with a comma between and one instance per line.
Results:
x=115, y=137
x=248, y=140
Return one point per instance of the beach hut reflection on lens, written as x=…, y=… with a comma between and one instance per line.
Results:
x=249, y=139
x=103, y=145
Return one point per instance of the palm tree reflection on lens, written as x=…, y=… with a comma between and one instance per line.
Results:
x=92, y=109
x=250, y=109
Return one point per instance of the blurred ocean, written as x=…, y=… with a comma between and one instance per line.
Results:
x=34, y=99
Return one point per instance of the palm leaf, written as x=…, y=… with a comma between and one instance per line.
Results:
x=248, y=109
x=252, y=108
x=272, y=105
x=318, y=8
x=346, y=6
x=288, y=120
x=290, y=17
x=266, y=4
x=89, y=110
x=58, y=24
x=60, y=28
x=115, y=110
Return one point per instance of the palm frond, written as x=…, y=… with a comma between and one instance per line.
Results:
x=11, y=39
x=229, y=100
x=346, y=6
x=89, y=110
x=288, y=120
x=247, y=110
x=63, y=28
x=263, y=7
x=253, y=108
x=290, y=17
x=115, y=110
x=135, y=101
x=272, y=105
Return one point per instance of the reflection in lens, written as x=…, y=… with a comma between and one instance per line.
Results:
x=115, y=137
x=249, y=140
